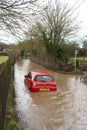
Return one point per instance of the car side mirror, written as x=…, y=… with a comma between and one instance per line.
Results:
x=25, y=76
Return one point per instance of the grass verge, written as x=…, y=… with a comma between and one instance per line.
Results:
x=3, y=59
x=11, y=118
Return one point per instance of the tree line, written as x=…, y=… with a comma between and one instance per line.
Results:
x=51, y=35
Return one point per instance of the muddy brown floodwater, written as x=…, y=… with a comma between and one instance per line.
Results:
x=65, y=109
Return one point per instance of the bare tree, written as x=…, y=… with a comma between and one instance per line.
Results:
x=16, y=15
x=56, y=27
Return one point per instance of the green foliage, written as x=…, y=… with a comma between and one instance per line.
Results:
x=10, y=101
x=13, y=125
x=3, y=59
x=11, y=121
x=83, y=50
x=84, y=42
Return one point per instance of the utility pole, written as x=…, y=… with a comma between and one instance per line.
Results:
x=76, y=52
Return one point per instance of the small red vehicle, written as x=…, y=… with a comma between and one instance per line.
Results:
x=39, y=81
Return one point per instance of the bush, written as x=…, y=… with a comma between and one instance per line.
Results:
x=13, y=125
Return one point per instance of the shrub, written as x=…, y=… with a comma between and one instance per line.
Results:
x=13, y=125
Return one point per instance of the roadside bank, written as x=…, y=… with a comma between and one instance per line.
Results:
x=64, y=69
x=11, y=115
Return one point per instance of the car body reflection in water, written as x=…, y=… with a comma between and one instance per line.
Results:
x=65, y=109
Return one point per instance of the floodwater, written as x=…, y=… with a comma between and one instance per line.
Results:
x=65, y=109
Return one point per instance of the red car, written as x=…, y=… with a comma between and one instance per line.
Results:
x=40, y=81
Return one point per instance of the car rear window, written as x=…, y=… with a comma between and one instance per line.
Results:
x=43, y=78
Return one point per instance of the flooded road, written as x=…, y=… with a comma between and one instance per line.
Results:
x=65, y=109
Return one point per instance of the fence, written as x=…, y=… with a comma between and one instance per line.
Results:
x=5, y=80
x=83, y=65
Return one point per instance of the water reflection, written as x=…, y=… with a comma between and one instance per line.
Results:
x=61, y=110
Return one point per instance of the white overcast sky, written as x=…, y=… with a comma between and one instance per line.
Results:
x=82, y=10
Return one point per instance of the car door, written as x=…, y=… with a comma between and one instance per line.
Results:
x=29, y=79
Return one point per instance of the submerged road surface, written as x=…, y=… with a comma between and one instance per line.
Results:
x=65, y=109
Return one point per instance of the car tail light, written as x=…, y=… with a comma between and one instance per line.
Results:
x=54, y=84
x=36, y=84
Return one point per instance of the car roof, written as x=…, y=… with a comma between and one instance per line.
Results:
x=41, y=73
